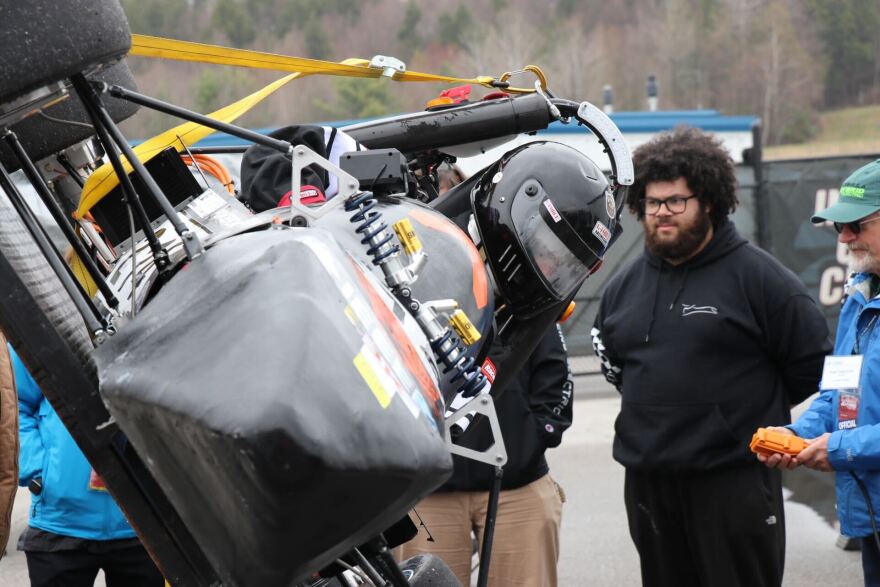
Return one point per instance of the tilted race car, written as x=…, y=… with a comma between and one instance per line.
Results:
x=267, y=387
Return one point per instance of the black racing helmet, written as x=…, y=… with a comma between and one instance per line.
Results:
x=546, y=216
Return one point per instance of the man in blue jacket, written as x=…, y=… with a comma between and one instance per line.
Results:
x=843, y=425
x=74, y=528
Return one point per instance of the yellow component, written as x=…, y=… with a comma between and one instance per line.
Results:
x=534, y=69
x=157, y=47
x=369, y=375
x=463, y=326
x=81, y=273
x=566, y=314
x=441, y=101
x=104, y=179
x=406, y=234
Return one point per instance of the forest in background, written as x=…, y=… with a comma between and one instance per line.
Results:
x=785, y=61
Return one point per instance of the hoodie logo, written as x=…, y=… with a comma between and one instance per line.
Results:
x=690, y=309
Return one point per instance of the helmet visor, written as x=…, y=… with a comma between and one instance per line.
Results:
x=560, y=257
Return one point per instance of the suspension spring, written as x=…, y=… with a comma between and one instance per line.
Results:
x=370, y=227
x=453, y=357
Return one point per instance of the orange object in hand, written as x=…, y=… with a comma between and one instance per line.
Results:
x=769, y=442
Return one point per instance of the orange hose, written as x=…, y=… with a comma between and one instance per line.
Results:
x=212, y=166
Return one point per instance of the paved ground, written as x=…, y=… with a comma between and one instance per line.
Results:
x=596, y=549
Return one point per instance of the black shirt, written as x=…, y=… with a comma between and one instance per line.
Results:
x=533, y=412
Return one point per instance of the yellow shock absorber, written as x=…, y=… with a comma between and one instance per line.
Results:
x=406, y=234
x=464, y=327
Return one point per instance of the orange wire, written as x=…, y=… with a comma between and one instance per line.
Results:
x=214, y=167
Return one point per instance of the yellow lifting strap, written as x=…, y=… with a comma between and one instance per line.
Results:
x=104, y=179
x=158, y=47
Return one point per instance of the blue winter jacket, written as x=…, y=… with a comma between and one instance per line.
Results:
x=66, y=505
x=856, y=450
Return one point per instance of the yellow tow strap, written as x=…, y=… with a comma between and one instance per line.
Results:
x=147, y=46
x=104, y=179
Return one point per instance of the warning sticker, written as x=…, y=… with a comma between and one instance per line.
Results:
x=488, y=370
x=552, y=209
x=601, y=232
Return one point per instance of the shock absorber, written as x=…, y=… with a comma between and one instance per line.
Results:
x=449, y=338
x=371, y=227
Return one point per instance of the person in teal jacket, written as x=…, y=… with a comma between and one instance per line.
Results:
x=74, y=528
x=842, y=426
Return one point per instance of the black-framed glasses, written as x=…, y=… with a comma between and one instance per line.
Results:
x=675, y=204
x=854, y=227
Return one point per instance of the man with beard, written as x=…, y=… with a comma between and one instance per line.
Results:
x=707, y=338
x=843, y=425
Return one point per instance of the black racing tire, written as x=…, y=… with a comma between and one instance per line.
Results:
x=45, y=41
x=20, y=250
x=41, y=136
x=426, y=569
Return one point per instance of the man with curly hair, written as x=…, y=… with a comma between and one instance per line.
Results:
x=707, y=338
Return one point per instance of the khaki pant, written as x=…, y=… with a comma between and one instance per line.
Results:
x=525, y=547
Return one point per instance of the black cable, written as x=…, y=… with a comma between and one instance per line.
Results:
x=867, y=497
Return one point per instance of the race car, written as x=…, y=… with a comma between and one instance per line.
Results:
x=267, y=386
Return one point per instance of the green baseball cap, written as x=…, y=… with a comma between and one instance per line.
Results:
x=859, y=196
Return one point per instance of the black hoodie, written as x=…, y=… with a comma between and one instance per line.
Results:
x=533, y=412
x=706, y=352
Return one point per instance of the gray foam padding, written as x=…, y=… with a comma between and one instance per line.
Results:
x=43, y=41
x=42, y=137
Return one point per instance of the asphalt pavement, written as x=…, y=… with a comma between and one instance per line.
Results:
x=595, y=544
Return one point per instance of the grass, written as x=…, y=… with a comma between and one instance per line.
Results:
x=850, y=131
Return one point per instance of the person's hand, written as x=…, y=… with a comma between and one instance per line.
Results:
x=779, y=461
x=815, y=456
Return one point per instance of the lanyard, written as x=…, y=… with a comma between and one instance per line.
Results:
x=865, y=331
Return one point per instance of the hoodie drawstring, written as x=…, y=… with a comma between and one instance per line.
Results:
x=654, y=303
x=656, y=292
x=680, y=288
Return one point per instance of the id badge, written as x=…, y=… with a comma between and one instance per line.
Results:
x=847, y=409
x=95, y=482
x=843, y=373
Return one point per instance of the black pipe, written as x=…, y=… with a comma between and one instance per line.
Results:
x=160, y=256
x=93, y=319
x=489, y=529
x=479, y=121
x=68, y=167
x=60, y=218
x=397, y=577
x=154, y=104
x=191, y=244
x=232, y=150
x=762, y=205
x=367, y=568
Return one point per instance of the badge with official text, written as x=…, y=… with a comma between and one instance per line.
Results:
x=847, y=410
